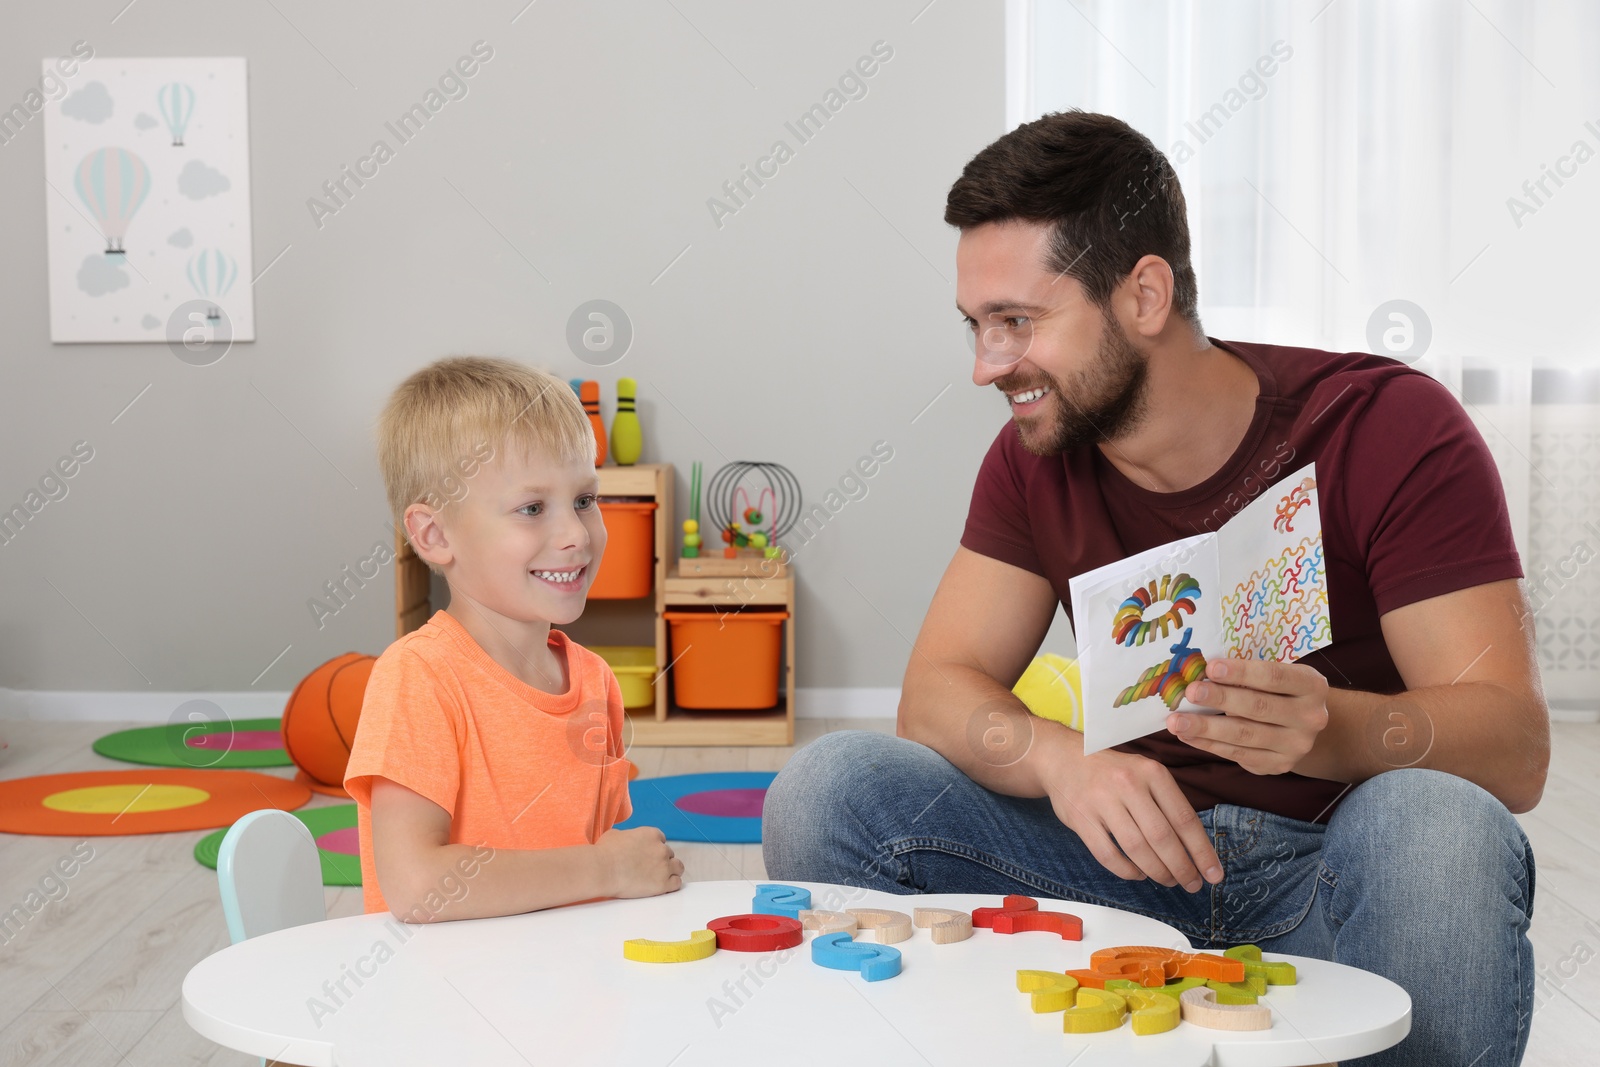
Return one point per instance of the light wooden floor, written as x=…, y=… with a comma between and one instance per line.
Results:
x=94, y=978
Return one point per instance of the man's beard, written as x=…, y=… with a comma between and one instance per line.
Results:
x=1103, y=401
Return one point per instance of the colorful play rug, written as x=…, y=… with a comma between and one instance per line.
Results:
x=338, y=843
x=722, y=807
x=201, y=745
x=155, y=800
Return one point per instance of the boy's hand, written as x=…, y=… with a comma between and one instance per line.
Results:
x=641, y=863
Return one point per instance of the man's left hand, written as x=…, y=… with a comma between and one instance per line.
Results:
x=1273, y=713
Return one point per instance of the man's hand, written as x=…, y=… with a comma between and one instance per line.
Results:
x=1131, y=814
x=1273, y=713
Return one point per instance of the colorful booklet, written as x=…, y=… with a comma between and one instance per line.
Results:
x=1255, y=588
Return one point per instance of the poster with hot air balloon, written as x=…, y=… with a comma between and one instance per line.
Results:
x=147, y=203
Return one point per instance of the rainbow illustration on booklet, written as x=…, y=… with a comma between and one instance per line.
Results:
x=1255, y=588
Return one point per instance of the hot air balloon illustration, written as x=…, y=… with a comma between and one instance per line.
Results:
x=177, y=107
x=212, y=272
x=113, y=182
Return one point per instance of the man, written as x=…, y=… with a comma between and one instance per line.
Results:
x=1356, y=805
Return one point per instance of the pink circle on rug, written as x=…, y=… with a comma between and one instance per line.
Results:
x=239, y=740
x=728, y=803
x=347, y=841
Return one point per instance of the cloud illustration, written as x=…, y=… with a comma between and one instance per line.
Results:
x=181, y=238
x=101, y=274
x=145, y=122
x=149, y=322
x=92, y=103
x=199, y=181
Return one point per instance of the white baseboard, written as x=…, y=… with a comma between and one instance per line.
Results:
x=136, y=706
x=1560, y=712
x=847, y=703
x=55, y=705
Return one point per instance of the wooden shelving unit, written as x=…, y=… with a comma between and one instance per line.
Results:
x=758, y=585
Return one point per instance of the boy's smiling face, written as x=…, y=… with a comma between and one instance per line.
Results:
x=527, y=540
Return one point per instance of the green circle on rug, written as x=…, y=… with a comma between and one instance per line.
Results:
x=221, y=745
x=334, y=827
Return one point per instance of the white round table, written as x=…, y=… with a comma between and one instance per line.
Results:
x=553, y=987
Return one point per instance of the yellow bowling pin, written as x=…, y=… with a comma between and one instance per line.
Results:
x=626, y=439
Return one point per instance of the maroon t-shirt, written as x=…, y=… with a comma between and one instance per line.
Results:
x=1412, y=508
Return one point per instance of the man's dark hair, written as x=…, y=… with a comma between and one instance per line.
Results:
x=1110, y=194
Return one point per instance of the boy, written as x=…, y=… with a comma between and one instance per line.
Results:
x=488, y=770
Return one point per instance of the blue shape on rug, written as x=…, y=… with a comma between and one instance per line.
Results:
x=656, y=802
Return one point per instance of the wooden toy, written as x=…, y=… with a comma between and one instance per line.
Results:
x=1272, y=972
x=1096, y=1010
x=1236, y=992
x=1070, y=927
x=627, y=440
x=945, y=925
x=1140, y=972
x=1174, y=988
x=699, y=945
x=691, y=525
x=839, y=953
x=828, y=922
x=886, y=927
x=742, y=497
x=984, y=917
x=1152, y=1012
x=777, y=899
x=589, y=393
x=1051, y=990
x=1177, y=963
x=756, y=933
x=1201, y=1008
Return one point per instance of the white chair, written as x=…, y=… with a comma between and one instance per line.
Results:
x=270, y=874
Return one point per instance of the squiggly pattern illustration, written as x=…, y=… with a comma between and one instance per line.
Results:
x=1281, y=611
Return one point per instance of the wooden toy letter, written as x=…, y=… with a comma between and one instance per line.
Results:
x=838, y=952
x=1096, y=1010
x=699, y=945
x=885, y=927
x=1201, y=1008
x=787, y=900
x=1051, y=990
x=946, y=925
x=828, y=922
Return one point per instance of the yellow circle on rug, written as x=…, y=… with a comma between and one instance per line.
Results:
x=125, y=798
x=150, y=800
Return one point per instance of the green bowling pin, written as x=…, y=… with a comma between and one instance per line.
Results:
x=626, y=439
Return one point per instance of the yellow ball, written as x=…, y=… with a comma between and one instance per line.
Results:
x=690, y=526
x=1052, y=688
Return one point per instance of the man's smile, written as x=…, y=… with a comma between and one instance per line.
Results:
x=1023, y=400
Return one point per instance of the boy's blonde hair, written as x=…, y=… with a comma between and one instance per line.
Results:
x=458, y=413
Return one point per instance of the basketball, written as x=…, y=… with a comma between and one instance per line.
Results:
x=319, y=722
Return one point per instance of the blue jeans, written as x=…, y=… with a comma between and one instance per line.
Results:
x=1419, y=876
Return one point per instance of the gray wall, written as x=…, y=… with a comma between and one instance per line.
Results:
x=817, y=320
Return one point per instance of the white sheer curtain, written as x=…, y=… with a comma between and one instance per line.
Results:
x=1339, y=156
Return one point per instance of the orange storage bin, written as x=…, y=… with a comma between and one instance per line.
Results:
x=724, y=661
x=627, y=570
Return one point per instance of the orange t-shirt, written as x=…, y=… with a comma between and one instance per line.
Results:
x=514, y=766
